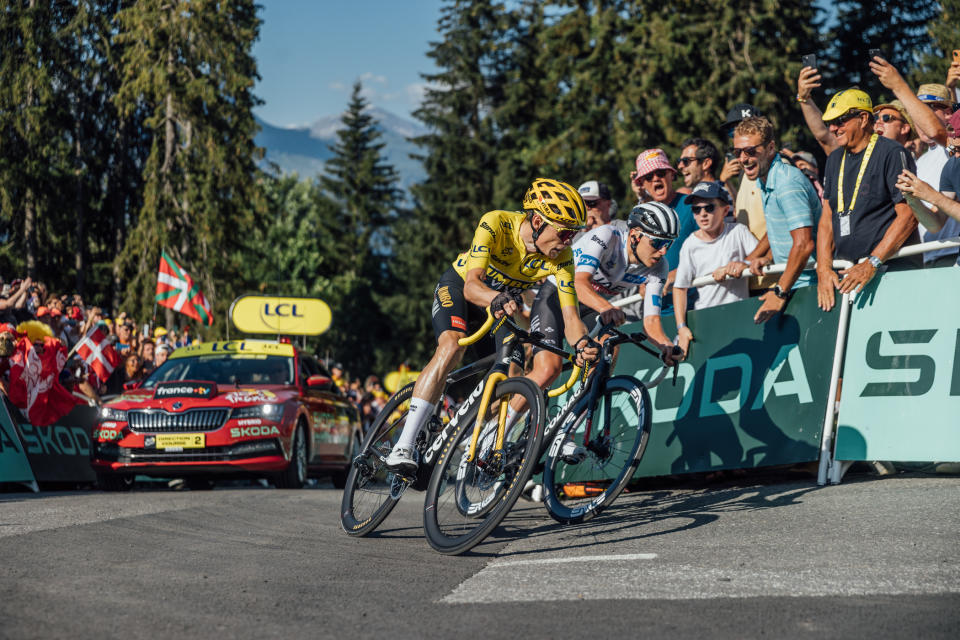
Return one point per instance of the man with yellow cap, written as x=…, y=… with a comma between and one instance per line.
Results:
x=865, y=216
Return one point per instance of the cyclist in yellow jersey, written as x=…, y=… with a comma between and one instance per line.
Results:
x=510, y=252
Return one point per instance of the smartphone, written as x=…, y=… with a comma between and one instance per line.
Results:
x=875, y=53
x=956, y=55
x=809, y=60
x=903, y=159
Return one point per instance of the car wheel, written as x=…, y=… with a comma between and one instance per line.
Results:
x=114, y=482
x=295, y=475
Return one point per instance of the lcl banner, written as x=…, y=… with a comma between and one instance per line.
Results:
x=900, y=399
x=748, y=395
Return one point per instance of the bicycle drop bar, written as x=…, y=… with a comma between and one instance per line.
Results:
x=637, y=338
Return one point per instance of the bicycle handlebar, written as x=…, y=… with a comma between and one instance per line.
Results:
x=482, y=331
x=637, y=338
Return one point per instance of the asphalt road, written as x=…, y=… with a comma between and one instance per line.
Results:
x=873, y=557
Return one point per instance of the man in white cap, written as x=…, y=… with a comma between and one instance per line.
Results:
x=601, y=208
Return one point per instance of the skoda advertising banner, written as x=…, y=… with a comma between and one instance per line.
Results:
x=748, y=395
x=901, y=380
x=14, y=466
x=281, y=316
x=59, y=452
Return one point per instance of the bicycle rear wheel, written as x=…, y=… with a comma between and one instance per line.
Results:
x=372, y=490
x=575, y=490
x=466, y=501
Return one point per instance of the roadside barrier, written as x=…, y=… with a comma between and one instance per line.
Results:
x=896, y=346
x=14, y=466
x=55, y=453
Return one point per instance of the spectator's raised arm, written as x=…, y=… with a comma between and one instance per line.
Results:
x=807, y=81
x=923, y=116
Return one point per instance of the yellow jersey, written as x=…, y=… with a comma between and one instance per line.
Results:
x=499, y=251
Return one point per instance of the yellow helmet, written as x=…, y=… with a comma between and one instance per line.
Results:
x=844, y=101
x=556, y=201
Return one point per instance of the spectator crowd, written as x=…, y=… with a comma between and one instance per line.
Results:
x=890, y=180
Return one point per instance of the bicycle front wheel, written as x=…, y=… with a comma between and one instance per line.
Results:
x=371, y=489
x=466, y=501
x=583, y=475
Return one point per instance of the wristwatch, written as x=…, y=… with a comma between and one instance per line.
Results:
x=779, y=292
x=875, y=261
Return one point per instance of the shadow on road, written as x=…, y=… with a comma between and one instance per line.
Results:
x=636, y=516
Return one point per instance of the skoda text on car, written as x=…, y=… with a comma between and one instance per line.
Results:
x=244, y=407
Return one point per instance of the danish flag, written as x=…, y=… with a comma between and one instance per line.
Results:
x=175, y=289
x=98, y=353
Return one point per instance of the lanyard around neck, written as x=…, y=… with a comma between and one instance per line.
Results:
x=856, y=187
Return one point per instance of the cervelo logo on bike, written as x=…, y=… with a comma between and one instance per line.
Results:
x=445, y=433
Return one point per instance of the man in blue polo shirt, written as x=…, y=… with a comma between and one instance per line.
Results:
x=790, y=206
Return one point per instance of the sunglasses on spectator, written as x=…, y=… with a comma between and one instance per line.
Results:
x=887, y=117
x=697, y=208
x=659, y=243
x=750, y=152
x=592, y=204
x=844, y=119
x=566, y=234
x=659, y=173
x=682, y=162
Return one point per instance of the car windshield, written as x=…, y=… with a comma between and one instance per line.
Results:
x=225, y=369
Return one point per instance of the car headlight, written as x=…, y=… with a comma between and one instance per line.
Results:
x=271, y=411
x=109, y=413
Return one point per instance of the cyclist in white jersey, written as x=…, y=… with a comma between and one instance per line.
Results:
x=609, y=260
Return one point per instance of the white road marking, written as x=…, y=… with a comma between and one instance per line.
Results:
x=622, y=557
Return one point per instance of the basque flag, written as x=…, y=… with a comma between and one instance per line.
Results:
x=98, y=353
x=176, y=290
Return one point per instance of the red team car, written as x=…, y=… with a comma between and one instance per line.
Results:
x=246, y=407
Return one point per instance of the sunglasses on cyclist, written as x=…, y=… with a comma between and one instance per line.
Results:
x=659, y=243
x=697, y=208
x=659, y=173
x=888, y=117
x=844, y=119
x=685, y=161
x=566, y=234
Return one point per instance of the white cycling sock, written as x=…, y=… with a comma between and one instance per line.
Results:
x=420, y=412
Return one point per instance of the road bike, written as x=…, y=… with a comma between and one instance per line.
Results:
x=372, y=490
x=597, y=439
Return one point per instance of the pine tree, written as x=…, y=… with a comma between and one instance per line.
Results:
x=572, y=139
x=942, y=32
x=898, y=28
x=190, y=63
x=688, y=65
x=460, y=157
x=363, y=186
x=34, y=121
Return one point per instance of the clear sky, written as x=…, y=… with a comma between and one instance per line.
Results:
x=310, y=53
